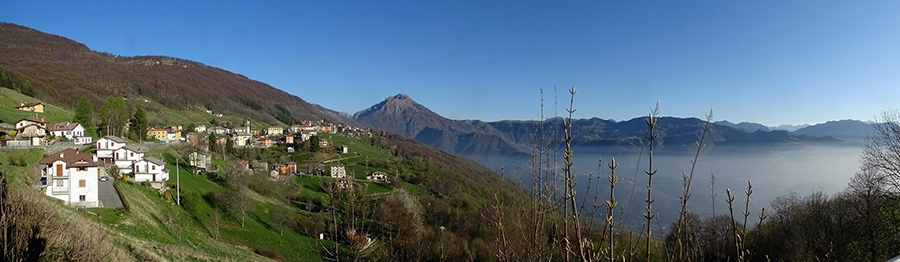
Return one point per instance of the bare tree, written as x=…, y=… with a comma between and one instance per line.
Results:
x=216, y=218
x=881, y=151
x=239, y=201
x=866, y=196
x=282, y=218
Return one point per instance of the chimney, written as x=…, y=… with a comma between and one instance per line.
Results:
x=95, y=158
x=61, y=155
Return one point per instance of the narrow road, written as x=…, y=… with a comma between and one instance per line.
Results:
x=336, y=159
x=108, y=196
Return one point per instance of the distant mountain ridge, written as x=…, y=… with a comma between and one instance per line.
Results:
x=842, y=129
x=789, y=128
x=746, y=126
x=402, y=115
x=481, y=140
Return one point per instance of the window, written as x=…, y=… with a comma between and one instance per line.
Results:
x=154, y=167
x=81, y=169
x=81, y=183
x=59, y=183
x=132, y=154
x=82, y=198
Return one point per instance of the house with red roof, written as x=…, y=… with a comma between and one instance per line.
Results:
x=69, y=130
x=72, y=177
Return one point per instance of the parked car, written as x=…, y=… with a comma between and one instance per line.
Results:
x=104, y=178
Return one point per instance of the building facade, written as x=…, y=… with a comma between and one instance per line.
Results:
x=72, y=177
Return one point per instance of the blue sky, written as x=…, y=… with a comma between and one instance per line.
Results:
x=772, y=62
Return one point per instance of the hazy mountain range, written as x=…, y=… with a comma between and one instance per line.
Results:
x=58, y=70
x=482, y=140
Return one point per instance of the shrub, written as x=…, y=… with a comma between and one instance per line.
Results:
x=191, y=201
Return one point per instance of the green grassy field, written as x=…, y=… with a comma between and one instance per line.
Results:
x=160, y=116
x=9, y=99
x=163, y=116
x=157, y=229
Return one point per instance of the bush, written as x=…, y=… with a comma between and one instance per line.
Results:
x=263, y=185
x=191, y=201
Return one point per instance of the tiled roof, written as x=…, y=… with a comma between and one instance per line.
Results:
x=63, y=126
x=32, y=124
x=32, y=120
x=134, y=148
x=72, y=157
x=28, y=105
x=116, y=139
x=154, y=160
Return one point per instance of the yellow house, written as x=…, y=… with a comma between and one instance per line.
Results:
x=157, y=133
x=33, y=107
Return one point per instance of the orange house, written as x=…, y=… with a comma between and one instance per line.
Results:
x=33, y=107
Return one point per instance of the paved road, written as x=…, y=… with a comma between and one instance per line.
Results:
x=108, y=195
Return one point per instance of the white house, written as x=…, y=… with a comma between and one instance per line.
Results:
x=125, y=156
x=28, y=121
x=275, y=131
x=218, y=130
x=107, y=144
x=377, y=176
x=28, y=128
x=68, y=130
x=338, y=171
x=306, y=135
x=200, y=129
x=241, y=139
x=83, y=140
x=200, y=160
x=72, y=177
x=151, y=170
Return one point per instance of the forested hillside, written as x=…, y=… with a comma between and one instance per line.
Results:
x=58, y=70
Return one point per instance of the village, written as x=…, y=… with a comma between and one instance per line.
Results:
x=81, y=172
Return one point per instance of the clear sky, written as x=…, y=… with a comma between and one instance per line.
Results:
x=771, y=62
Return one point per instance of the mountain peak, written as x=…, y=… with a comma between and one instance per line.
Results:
x=400, y=96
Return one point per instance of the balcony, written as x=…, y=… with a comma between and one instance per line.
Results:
x=63, y=175
x=60, y=190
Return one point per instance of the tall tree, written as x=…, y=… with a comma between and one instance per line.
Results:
x=229, y=146
x=139, y=124
x=212, y=142
x=84, y=112
x=881, y=151
x=113, y=116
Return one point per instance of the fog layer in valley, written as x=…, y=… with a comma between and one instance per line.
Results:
x=774, y=170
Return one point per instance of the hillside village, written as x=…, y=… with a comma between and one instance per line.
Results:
x=75, y=169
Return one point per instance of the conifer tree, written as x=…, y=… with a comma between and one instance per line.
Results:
x=139, y=124
x=84, y=112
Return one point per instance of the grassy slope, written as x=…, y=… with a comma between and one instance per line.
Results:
x=9, y=99
x=160, y=115
x=159, y=230
x=257, y=232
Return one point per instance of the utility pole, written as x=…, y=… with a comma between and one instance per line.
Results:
x=177, y=181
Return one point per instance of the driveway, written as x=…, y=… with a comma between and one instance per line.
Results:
x=108, y=196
